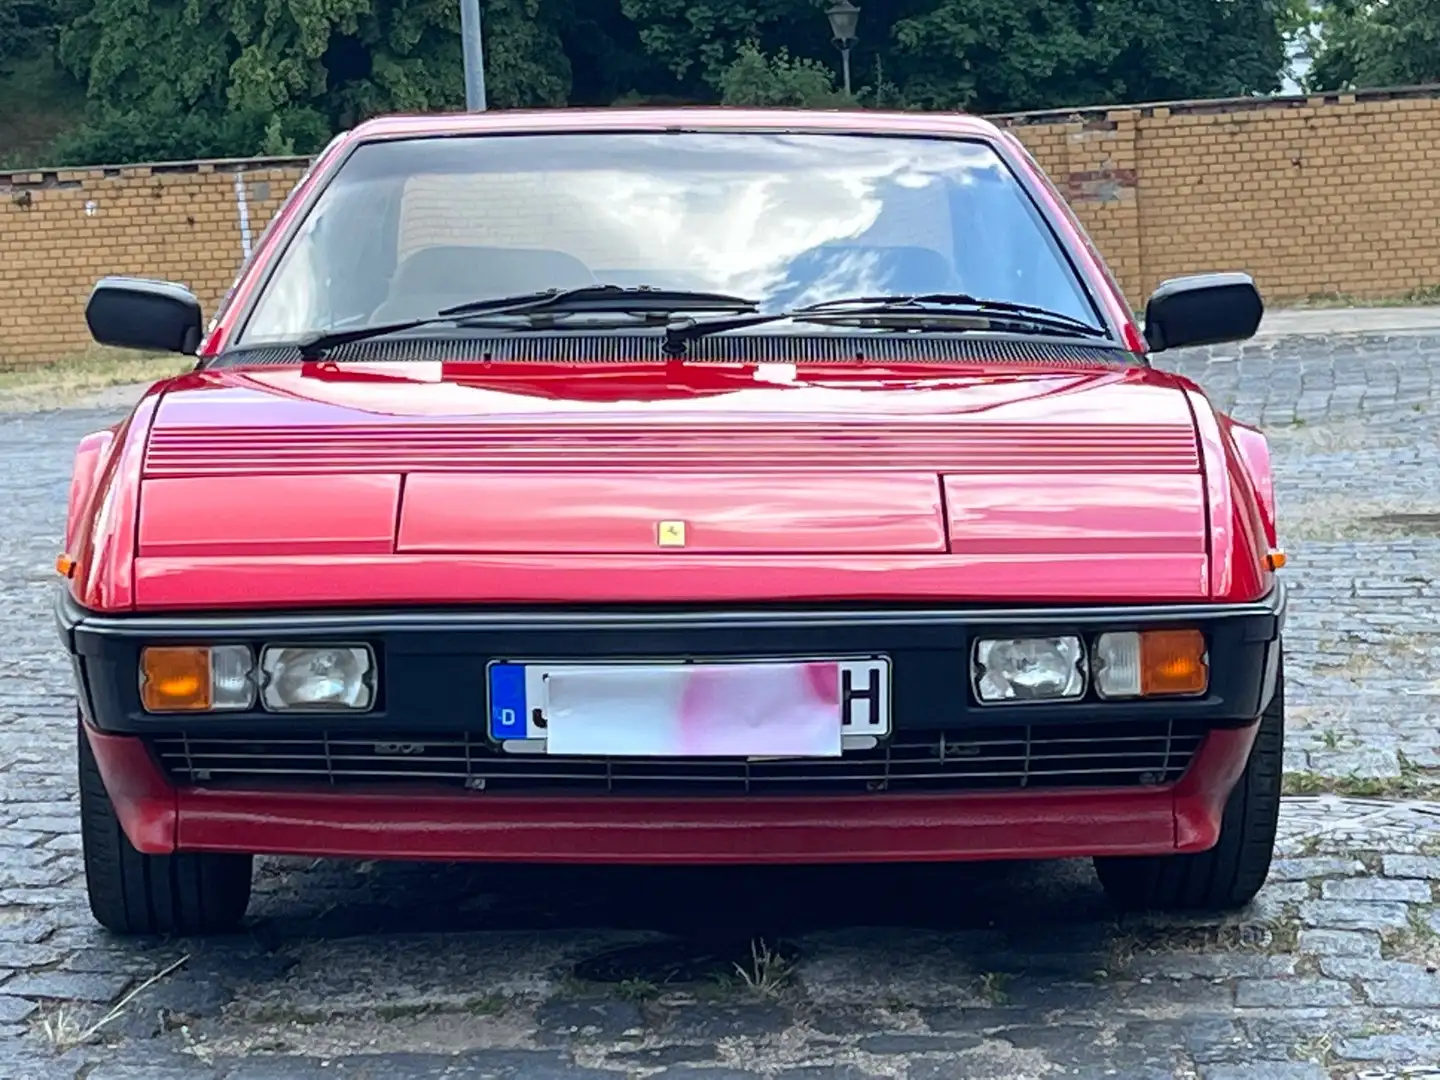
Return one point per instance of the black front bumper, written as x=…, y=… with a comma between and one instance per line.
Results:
x=432, y=663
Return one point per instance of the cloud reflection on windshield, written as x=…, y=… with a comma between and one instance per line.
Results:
x=789, y=219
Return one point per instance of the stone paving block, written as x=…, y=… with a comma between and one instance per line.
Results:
x=1372, y=969
x=35, y=927
x=63, y=986
x=1415, y=993
x=1364, y=763
x=1355, y=915
x=1315, y=867
x=1411, y=866
x=1395, y=1049
x=918, y=1044
x=1266, y=1070
x=15, y=1009
x=20, y=957
x=1291, y=993
x=1227, y=965
x=1376, y=889
x=685, y=1054
x=1340, y=943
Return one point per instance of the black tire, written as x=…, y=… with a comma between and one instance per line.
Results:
x=1229, y=875
x=131, y=893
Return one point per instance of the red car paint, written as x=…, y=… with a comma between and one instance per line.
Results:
x=320, y=486
x=1039, y=471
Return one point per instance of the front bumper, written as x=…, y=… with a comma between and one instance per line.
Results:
x=432, y=667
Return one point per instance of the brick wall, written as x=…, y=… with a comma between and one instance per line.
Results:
x=1339, y=194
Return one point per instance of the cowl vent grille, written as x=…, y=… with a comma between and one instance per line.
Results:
x=730, y=348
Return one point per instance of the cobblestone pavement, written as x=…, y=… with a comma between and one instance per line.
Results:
x=1011, y=971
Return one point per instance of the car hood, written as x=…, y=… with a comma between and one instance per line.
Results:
x=1047, y=472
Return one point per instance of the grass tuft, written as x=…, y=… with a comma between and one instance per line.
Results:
x=767, y=973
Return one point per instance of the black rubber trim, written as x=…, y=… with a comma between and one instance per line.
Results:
x=1263, y=618
x=1020, y=171
x=431, y=663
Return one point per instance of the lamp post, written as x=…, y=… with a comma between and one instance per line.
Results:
x=474, y=44
x=843, y=17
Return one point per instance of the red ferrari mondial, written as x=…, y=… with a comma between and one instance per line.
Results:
x=694, y=486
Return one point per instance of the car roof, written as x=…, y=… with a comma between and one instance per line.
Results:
x=545, y=121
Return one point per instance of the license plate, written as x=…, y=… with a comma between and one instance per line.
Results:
x=727, y=708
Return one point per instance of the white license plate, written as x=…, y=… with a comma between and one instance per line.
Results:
x=723, y=708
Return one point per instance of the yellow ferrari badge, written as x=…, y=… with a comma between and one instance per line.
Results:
x=671, y=533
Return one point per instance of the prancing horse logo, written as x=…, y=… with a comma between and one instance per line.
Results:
x=671, y=533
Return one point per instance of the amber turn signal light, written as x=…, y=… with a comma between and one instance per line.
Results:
x=1275, y=559
x=1151, y=663
x=1173, y=662
x=64, y=565
x=175, y=679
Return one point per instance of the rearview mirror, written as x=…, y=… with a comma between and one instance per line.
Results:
x=1202, y=309
x=136, y=313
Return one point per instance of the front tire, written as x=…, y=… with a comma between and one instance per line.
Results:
x=132, y=893
x=1229, y=875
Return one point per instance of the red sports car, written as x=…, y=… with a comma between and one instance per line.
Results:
x=689, y=486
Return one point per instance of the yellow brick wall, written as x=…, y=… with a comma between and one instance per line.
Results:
x=1324, y=195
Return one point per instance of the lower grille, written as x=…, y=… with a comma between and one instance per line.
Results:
x=1145, y=753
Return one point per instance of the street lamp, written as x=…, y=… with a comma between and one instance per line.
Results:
x=844, y=16
x=470, y=37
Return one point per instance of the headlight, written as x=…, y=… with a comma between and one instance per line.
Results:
x=1028, y=669
x=196, y=678
x=324, y=677
x=1151, y=663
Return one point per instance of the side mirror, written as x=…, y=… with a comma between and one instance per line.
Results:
x=135, y=313
x=1203, y=309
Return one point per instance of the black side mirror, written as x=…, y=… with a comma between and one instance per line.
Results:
x=1203, y=309
x=135, y=313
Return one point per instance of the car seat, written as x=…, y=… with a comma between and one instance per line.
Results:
x=439, y=277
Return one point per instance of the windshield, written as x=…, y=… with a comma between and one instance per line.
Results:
x=408, y=228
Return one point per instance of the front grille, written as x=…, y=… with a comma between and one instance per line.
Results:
x=1143, y=753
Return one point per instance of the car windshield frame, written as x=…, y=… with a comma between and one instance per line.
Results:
x=1069, y=259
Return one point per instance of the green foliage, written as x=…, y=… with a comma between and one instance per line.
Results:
x=187, y=78
x=778, y=81
x=698, y=40
x=1364, y=43
x=1031, y=54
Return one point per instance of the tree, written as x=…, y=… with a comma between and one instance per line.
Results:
x=280, y=76
x=698, y=40
x=1370, y=43
x=1031, y=54
x=24, y=24
x=987, y=56
x=778, y=81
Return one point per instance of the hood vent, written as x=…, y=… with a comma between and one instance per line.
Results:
x=561, y=348
x=617, y=446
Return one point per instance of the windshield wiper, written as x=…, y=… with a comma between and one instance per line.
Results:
x=919, y=311
x=922, y=306
x=607, y=299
